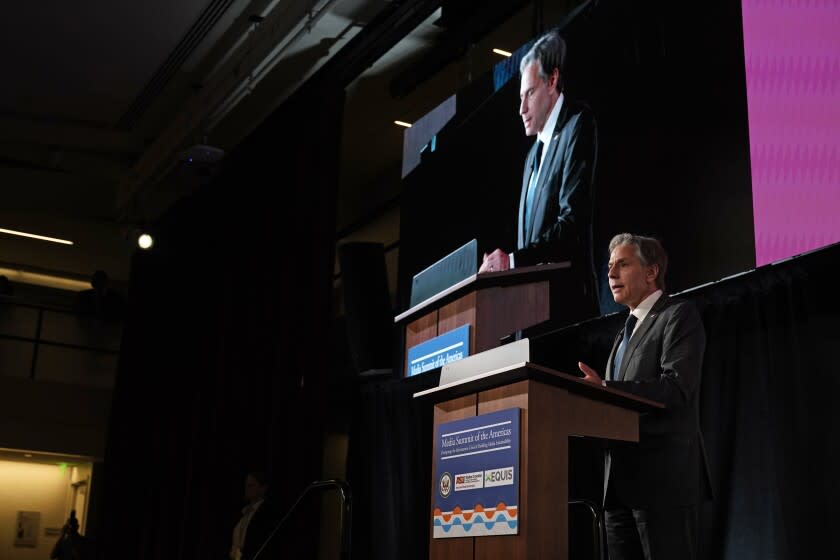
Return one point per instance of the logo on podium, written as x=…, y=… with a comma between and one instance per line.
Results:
x=445, y=485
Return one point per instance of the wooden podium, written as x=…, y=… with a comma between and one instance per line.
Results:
x=554, y=407
x=495, y=304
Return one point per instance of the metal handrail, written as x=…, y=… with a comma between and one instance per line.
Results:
x=346, y=513
x=596, y=513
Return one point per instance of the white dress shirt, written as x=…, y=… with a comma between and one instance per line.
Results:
x=545, y=136
x=241, y=529
x=644, y=308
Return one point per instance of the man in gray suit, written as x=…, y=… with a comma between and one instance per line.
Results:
x=555, y=208
x=653, y=489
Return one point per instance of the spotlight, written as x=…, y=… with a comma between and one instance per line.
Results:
x=145, y=241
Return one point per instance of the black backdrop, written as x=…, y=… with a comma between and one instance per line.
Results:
x=222, y=364
x=227, y=348
x=768, y=414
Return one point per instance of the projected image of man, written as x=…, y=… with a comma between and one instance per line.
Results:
x=555, y=209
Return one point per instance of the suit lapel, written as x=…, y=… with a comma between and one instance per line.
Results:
x=538, y=207
x=523, y=236
x=616, y=342
x=546, y=167
x=641, y=333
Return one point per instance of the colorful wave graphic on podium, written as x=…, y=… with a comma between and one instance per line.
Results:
x=476, y=522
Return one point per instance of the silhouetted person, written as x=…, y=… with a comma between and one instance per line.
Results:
x=6, y=286
x=101, y=300
x=259, y=518
x=71, y=545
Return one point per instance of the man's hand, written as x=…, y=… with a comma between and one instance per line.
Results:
x=495, y=261
x=590, y=374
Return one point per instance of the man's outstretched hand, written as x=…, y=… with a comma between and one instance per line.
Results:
x=590, y=374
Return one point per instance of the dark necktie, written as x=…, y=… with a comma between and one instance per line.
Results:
x=532, y=188
x=619, y=354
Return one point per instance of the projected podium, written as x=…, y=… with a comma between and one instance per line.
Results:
x=553, y=406
x=495, y=305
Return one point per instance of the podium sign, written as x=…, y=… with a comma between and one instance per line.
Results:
x=439, y=351
x=477, y=474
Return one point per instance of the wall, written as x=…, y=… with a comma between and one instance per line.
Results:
x=57, y=369
x=32, y=487
x=54, y=417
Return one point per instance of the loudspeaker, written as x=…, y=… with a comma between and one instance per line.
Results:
x=368, y=316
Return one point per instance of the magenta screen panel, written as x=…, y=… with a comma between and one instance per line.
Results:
x=792, y=52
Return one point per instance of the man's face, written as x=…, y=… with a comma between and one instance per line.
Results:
x=253, y=489
x=536, y=98
x=630, y=281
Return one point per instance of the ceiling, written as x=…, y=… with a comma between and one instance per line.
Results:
x=26, y=456
x=101, y=99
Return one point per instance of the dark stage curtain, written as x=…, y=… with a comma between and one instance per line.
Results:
x=389, y=469
x=768, y=413
x=768, y=410
x=223, y=364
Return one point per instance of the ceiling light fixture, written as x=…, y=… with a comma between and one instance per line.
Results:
x=145, y=241
x=403, y=123
x=43, y=279
x=36, y=236
x=501, y=52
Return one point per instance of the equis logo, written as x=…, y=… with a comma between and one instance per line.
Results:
x=498, y=477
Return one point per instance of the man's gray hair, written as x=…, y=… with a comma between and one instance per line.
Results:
x=549, y=52
x=649, y=250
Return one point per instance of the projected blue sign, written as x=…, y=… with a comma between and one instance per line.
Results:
x=439, y=351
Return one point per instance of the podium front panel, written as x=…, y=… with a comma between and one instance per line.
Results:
x=457, y=314
x=418, y=331
x=461, y=548
x=549, y=415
